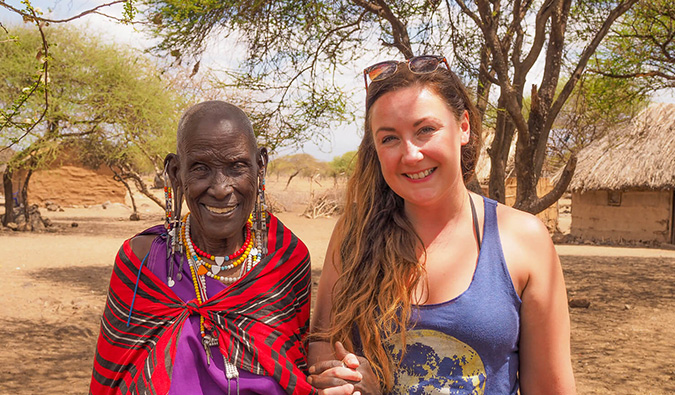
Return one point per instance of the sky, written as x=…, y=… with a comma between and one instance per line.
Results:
x=225, y=53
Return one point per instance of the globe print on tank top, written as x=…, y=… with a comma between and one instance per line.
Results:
x=467, y=345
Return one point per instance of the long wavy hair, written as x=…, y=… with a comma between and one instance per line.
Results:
x=378, y=246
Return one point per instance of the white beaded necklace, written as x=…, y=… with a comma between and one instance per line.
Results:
x=251, y=260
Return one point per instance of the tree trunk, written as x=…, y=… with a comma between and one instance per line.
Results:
x=538, y=205
x=9, y=196
x=290, y=178
x=499, y=154
x=526, y=190
x=120, y=178
x=484, y=84
x=123, y=173
x=24, y=199
x=142, y=187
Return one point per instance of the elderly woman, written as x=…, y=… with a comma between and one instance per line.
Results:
x=215, y=301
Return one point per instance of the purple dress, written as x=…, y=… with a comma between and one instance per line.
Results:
x=191, y=372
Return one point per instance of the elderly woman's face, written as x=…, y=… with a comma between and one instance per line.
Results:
x=218, y=174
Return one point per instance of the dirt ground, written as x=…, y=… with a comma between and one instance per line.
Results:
x=54, y=287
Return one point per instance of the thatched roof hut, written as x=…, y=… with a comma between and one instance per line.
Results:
x=624, y=183
x=639, y=155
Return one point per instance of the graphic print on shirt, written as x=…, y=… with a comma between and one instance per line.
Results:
x=437, y=363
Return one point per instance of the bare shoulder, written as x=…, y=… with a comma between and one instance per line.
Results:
x=527, y=245
x=523, y=230
x=141, y=244
x=519, y=224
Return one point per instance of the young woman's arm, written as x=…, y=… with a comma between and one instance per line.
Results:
x=545, y=360
x=334, y=371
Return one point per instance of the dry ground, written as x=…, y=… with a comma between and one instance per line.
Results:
x=54, y=285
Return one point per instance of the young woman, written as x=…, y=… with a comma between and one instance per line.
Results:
x=436, y=289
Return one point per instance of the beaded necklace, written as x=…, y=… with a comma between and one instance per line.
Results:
x=212, y=269
x=243, y=251
x=198, y=270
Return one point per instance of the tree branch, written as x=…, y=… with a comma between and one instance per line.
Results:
x=583, y=59
x=539, y=35
x=43, y=56
x=540, y=204
x=511, y=103
x=634, y=75
x=399, y=31
x=32, y=16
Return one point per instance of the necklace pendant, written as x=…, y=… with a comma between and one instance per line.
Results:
x=215, y=269
x=219, y=260
x=210, y=341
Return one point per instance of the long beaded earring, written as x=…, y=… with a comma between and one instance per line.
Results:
x=176, y=245
x=172, y=223
x=168, y=222
x=261, y=206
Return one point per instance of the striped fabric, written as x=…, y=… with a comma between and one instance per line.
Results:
x=261, y=321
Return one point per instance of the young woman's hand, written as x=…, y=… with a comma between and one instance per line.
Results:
x=350, y=374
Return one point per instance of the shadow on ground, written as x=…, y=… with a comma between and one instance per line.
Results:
x=50, y=358
x=90, y=279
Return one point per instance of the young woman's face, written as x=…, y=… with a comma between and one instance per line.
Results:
x=218, y=173
x=418, y=141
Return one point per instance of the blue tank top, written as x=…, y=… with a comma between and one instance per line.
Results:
x=467, y=345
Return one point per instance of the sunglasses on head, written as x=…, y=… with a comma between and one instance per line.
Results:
x=418, y=64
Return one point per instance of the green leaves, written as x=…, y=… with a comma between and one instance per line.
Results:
x=98, y=92
x=642, y=47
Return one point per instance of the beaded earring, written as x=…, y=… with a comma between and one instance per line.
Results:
x=176, y=244
x=260, y=211
x=172, y=224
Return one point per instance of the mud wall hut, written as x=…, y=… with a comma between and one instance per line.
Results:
x=624, y=185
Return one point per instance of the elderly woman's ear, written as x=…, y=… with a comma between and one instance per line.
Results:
x=171, y=168
x=262, y=159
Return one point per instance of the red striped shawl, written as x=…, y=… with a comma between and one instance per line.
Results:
x=261, y=320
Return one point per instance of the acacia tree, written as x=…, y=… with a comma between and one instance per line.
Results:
x=641, y=47
x=294, y=48
x=96, y=91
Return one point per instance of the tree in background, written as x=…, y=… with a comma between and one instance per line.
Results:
x=303, y=165
x=294, y=49
x=641, y=48
x=97, y=93
x=343, y=166
x=597, y=106
x=636, y=60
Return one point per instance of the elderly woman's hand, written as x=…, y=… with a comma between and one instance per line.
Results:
x=350, y=374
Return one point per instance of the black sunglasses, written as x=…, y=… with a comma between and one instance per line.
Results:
x=418, y=64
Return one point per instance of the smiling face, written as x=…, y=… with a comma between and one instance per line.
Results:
x=217, y=171
x=418, y=140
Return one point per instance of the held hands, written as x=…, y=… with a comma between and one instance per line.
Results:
x=350, y=374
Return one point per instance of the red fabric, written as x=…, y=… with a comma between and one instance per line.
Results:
x=261, y=321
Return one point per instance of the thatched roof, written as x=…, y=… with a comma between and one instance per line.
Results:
x=640, y=155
